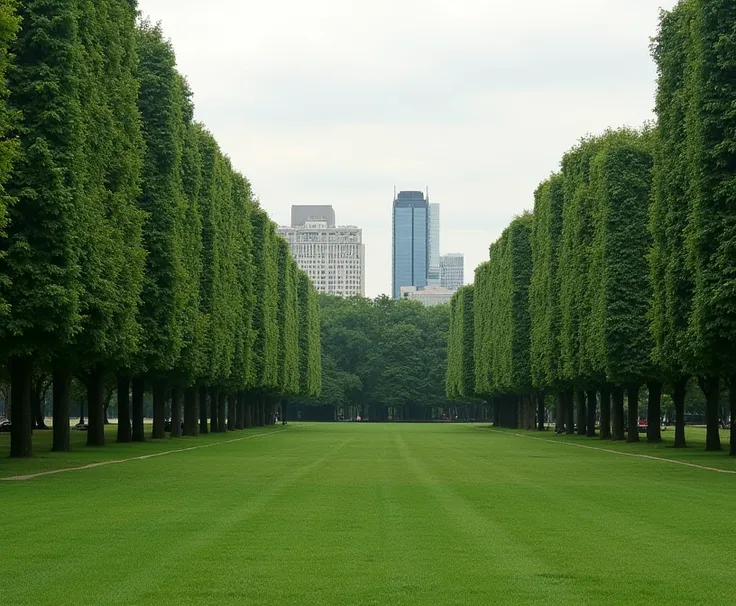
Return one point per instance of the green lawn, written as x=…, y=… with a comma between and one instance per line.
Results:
x=371, y=514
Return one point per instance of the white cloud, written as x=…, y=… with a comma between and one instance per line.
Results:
x=335, y=102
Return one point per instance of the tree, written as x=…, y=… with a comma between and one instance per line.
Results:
x=265, y=313
x=483, y=328
x=288, y=354
x=671, y=282
x=110, y=228
x=618, y=341
x=162, y=199
x=711, y=229
x=40, y=255
x=242, y=375
x=544, y=291
x=460, y=349
x=191, y=365
x=8, y=123
x=578, y=366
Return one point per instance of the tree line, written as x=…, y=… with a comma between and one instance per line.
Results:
x=130, y=246
x=383, y=360
x=623, y=276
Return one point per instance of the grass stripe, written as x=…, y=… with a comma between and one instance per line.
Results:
x=139, y=458
x=616, y=452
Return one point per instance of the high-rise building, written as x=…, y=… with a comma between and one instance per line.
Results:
x=452, y=271
x=410, y=241
x=332, y=257
x=301, y=214
x=433, y=274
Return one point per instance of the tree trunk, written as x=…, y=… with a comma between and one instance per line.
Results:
x=582, y=416
x=559, y=412
x=240, y=410
x=21, y=376
x=95, y=407
x=106, y=406
x=732, y=407
x=654, y=411
x=138, y=389
x=591, y=409
x=284, y=411
x=678, y=398
x=262, y=411
x=711, y=386
x=222, y=423
x=81, y=410
x=203, y=409
x=232, y=411
x=159, y=409
x=569, y=412
x=214, y=404
x=191, y=411
x=605, y=414
x=124, y=434
x=62, y=404
x=248, y=418
x=618, y=413
x=177, y=398
x=38, y=418
x=633, y=401
x=540, y=411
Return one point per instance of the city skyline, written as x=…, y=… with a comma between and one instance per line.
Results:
x=312, y=219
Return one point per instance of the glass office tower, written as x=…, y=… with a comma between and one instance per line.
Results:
x=410, y=241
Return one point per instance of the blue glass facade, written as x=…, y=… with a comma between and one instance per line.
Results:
x=410, y=241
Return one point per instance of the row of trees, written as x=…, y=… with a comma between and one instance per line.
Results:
x=383, y=360
x=623, y=277
x=130, y=246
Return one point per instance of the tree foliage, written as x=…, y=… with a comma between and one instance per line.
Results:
x=8, y=123
x=382, y=355
x=544, y=287
x=460, y=381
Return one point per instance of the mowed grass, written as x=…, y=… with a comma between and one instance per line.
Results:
x=373, y=514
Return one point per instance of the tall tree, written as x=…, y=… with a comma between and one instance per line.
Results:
x=112, y=255
x=8, y=124
x=191, y=365
x=672, y=283
x=265, y=313
x=711, y=137
x=242, y=374
x=40, y=253
x=162, y=199
x=483, y=328
x=618, y=340
x=544, y=289
x=288, y=354
x=460, y=349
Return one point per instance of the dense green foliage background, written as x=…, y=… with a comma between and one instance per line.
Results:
x=382, y=360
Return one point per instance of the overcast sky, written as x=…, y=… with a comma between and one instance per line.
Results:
x=338, y=101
